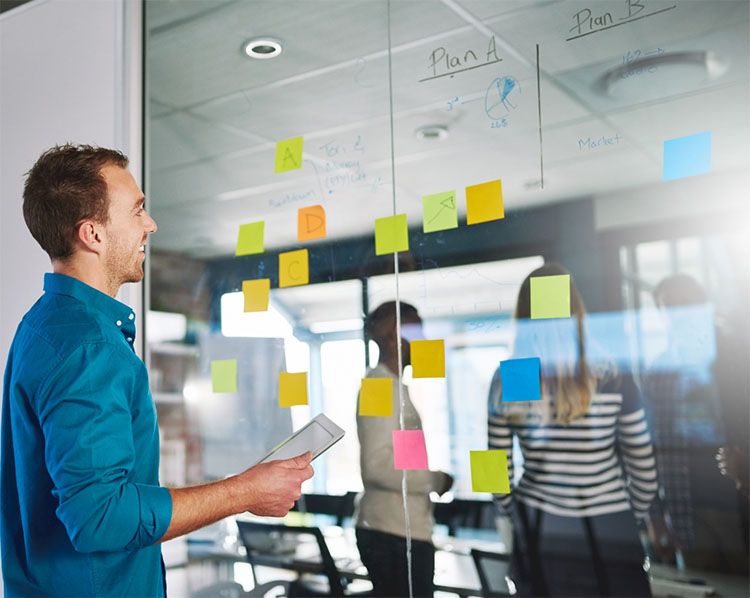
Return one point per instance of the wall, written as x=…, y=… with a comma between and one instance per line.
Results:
x=70, y=71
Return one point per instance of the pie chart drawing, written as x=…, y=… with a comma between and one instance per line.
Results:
x=501, y=97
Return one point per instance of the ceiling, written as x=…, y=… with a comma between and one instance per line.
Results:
x=215, y=115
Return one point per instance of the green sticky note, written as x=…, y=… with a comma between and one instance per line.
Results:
x=292, y=389
x=427, y=359
x=376, y=397
x=550, y=296
x=288, y=155
x=250, y=239
x=489, y=472
x=391, y=234
x=439, y=212
x=224, y=375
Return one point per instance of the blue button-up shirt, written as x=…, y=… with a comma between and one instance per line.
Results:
x=81, y=501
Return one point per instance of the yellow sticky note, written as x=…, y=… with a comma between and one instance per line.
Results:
x=484, y=202
x=293, y=268
x=550, y=296
x=311, y=223
x=376, y=397
x=256, y=294
x=250, y=239
x=489, y=472
x=292, y=389
x=224, y=375
x=288, y=154
x=391, y=234
x=428, y=359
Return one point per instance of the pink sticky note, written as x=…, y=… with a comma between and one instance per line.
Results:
x=409, y=450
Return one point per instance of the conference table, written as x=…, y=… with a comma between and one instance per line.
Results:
x=455, y=571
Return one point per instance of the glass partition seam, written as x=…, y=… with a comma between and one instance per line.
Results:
x=404, y=492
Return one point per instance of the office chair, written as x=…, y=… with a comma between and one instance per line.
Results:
x=338, y=506
x=301, y=549
x=493, y=569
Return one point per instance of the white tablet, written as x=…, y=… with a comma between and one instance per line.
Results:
x=317, y=436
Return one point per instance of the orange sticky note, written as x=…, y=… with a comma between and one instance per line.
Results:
x=428, y=359
x=256, y=294
x=250, y=238
x=311, y=223
x=293, y=268
x=292, y=389
x=391, y=234
x=484, y=202
x=376, y=397
x=288, y=154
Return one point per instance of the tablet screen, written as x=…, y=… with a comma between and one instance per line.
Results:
x=313, y=438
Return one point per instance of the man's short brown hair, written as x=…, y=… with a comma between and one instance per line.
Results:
x=64, y=188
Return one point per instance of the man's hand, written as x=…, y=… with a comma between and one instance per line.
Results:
x=271, y=489
x=268, y=489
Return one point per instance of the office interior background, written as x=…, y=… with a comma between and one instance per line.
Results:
x=568, y=103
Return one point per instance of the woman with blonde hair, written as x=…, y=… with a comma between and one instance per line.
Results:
x=588, y=466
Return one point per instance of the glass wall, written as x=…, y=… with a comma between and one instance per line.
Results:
x=435, y=153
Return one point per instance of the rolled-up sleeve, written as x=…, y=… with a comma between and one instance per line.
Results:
x=86, y=412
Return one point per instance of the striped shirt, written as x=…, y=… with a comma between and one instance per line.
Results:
x=602, y=462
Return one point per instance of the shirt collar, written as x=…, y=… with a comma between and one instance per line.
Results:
x=113, y=310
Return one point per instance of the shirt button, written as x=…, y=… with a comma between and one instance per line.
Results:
x=118, y=323
x=130, y=339
x=131, y=316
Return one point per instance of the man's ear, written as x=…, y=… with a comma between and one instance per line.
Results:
x=91, y=235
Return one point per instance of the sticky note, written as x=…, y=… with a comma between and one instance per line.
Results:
x=256, y=294
x=550, y=296
x=250, y=239
x=439, y=212
x=224, y=375
x=391, y=234
x=489, y=471
x=311, y=223
x=687, y=156
x=409, y=450
x=293, y=268
x=484, y=202
x=428, y=359
x=376, y=397
x=292, y=389
x=520, y=379
x=288, y=155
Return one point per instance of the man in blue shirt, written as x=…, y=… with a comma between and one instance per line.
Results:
x=82, y=510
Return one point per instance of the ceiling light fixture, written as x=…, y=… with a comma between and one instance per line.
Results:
x=432, y=132
x=676, y=72
x=262, y=48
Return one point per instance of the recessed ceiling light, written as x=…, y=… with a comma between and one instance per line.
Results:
x=432, y=132
x=262, y=48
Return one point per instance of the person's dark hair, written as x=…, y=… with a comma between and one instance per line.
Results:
x=63, y=188
x=383, y=318
x=679, y=289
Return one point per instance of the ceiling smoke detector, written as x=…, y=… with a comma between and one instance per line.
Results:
x=432, y=132
x=262, y=48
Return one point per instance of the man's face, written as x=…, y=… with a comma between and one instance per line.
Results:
x=128, y=227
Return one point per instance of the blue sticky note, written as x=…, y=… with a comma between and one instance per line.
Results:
x=520, y=379
x=687, y=156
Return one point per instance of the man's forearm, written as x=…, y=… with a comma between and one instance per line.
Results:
x=199, y=506
x=268, y=489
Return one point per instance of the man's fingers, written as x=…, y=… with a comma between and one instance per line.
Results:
x=299, y=462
